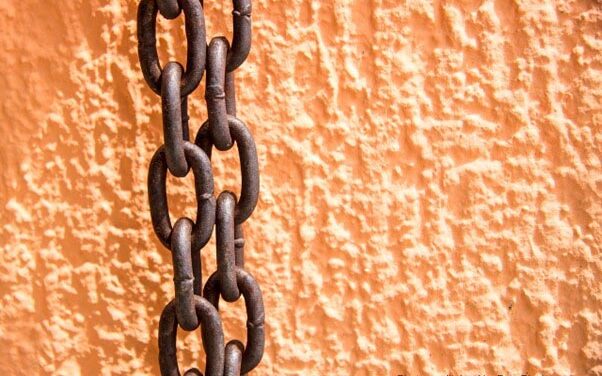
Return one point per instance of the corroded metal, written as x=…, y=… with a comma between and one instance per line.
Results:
x=239, y=246
x=215, y=95
x=189, y=309
x=183, y=279
x=203, y=182
x=225, y=247
x=249, y=164
x=169, y=9
x=233, y=358
x=241, y=39
x=173, y=133
x=147, y=44
x=230, y=90
x=255, y=314
x=211, y=333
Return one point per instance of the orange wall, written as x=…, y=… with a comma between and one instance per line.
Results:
x=431, y=187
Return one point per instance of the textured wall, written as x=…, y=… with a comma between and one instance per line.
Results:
x=431, y=187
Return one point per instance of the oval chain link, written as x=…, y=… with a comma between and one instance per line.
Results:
x=233, y=358
x=203, y=183
x=173, y=132
x=255, y=314
x=249, y=164
x=211, y=332
x=241, y=39
x=215, y=93
x=184, y=278
x=225, y=246
x=147, y=44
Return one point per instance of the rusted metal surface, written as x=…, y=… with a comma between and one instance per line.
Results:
x=230, y=94
x=225, y=247
x=249, y=164
x=173, y=133
x=233, y=361
x=147, y=44
x=211, y=333
x=241, y=39
x=255, y=314
x=203, y=182
x=181, y=241
x=215, y=94
x=194, y=306
x=239, y=246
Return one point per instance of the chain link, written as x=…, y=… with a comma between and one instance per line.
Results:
x=173, y=133
x=183, y=275
x=225, y=247
x=249, y=164
x=211, y=332
x=203, y=182
x=193, y=305
x=147, y=44
x=215, y=94
x=255, y=314
x=241, y=39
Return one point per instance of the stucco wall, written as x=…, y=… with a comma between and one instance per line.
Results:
x=431, y=187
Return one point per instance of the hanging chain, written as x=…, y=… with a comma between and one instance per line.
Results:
x=193, y=305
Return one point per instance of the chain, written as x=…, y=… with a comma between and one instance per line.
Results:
x=193, y=305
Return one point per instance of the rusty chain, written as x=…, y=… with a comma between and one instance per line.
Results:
x=193, y=305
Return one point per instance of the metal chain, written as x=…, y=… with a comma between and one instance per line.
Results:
x=193, y=305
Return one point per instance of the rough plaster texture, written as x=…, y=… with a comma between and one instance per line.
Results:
x=431, y=181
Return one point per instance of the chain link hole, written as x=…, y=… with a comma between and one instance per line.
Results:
x=181, y=202
x=226, y=170
x=218, y=19
x=234, y=320
x=171, y=39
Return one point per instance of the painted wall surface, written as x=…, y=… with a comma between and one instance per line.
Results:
x=431, y=187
